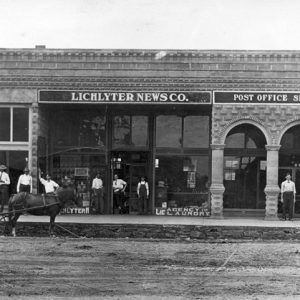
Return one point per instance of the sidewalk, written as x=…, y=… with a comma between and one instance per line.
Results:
x=163, y=220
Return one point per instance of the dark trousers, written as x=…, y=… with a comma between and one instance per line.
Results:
x=24, y=188
x=118, y=199
x=142, y=204
x=99, y=201
x=288, y=205
x=3, y=195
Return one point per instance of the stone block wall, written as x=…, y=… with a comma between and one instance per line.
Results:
x=146, y=231
x=272, y=120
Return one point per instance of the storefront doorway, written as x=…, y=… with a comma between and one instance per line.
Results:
x=130, y=166
x=289, y=162
x=245, y=171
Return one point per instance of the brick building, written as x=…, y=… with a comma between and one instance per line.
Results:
x=211, y=130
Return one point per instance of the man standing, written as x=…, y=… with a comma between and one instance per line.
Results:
x=97, y=187
x=4, y=183
x=50, y=185
x=25, y=182
x=119, y=186
x=288, y=197
x=143, y=194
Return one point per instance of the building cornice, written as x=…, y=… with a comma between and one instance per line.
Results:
x=249, y=56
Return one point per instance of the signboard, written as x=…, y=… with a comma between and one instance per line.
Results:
x=257, y=97
x=183, y=211
x=75, y=211
x=124, y=97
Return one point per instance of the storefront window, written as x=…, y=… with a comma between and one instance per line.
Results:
x=139, y=130
x=20, y=124
x=196, y=132
x=184, y=178
x=187, y=132
x=121, y=131
x=130, y=131
x=81, y=168
x=168, y=131
x=79, y=128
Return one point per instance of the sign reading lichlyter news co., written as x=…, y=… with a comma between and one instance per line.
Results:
x=124, y=97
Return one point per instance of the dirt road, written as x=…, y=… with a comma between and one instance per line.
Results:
x=143, y=269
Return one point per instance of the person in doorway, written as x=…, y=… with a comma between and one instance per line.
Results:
x=49, y=185
x=143, y=195
x=119, y=186
x=25, y=182
x=288, y=197
x=4, y=183
x=97, y=187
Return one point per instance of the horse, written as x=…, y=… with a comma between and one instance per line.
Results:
x=40, y=205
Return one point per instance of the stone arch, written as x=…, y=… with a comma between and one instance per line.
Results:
x=286, y=127
x=237, y=122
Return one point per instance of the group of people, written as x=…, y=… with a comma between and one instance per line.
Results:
x=24, y=184
x=119, y=186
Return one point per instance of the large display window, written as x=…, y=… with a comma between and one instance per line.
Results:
x=185, y=180
x=181, y=174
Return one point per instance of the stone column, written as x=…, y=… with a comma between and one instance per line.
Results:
x=272, y=189
x=34, y=146
x=217, y=188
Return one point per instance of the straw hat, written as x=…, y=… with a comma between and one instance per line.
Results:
x=2, y=167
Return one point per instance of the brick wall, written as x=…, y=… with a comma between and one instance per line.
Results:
x=146, y=69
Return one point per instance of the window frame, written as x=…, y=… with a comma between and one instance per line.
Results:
x=182, y=148
x=11, y=141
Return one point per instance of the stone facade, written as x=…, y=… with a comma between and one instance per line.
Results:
x=24, y=71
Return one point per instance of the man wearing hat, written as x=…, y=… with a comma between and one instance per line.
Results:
x=25, y=182
x=4, y=182
x=288, y=197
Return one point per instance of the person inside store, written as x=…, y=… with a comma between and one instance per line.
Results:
x=119, y=186
x=288, y=197
x=4, y=183
x=97, y=188
x=50, y=186
x=143, y=195
x=25, y=182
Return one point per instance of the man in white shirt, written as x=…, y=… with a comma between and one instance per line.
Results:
x=119, y=186
x=25, y=182
x=49, y=185
x=97, y=187
x=288, y=197
x=4, y=183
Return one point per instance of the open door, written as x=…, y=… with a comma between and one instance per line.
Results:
x=130, y=167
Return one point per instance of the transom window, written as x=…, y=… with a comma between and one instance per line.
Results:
x=187, y=132
x=130, y=131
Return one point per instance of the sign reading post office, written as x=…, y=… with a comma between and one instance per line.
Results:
x=245, y=97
